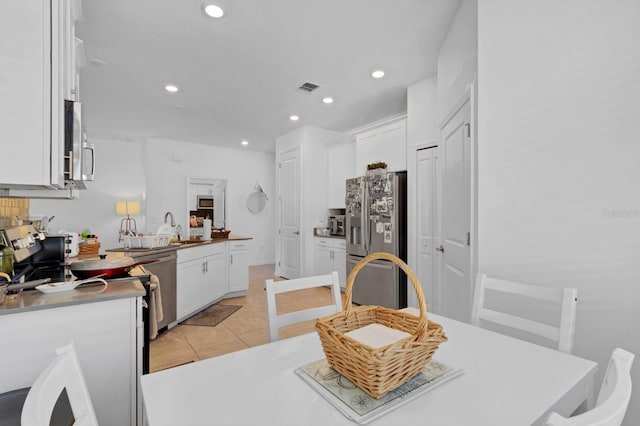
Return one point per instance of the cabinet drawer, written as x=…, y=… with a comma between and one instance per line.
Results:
x=238, y=245
x=323, y=241
x=199, y=251
x=340, y=243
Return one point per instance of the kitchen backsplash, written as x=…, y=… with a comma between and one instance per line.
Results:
x=12, y=208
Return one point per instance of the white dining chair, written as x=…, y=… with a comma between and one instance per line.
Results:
x=563, y=298
x=62, y=373
x=613, y=398
x=277, y=287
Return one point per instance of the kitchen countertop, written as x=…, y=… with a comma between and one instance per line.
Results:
x=32, y=300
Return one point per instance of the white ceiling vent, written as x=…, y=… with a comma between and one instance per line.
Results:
x=308, y=87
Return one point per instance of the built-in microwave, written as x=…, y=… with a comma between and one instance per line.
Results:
x=79, y=155
x=205, y=202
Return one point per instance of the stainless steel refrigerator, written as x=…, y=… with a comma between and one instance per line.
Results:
x=376, y=221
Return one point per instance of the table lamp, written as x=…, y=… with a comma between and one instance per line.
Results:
x=127, y=225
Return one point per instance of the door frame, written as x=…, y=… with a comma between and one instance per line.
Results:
x=279, y=247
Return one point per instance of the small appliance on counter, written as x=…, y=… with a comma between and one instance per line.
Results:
x=337, y=222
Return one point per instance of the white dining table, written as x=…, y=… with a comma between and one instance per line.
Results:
x=506, y=382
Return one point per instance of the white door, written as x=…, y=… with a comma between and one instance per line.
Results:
x=289, y=214
x=456, y=281
x=428, y=229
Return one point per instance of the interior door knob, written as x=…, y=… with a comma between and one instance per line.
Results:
x=297, y=232
x=440, y=248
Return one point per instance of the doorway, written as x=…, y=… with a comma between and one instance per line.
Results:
x=456, y=270
x=288, y=180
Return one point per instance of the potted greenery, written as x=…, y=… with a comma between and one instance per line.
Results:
x=377, y=168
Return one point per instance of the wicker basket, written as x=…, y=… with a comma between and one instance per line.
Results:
x=378, y=371
x=85, y=248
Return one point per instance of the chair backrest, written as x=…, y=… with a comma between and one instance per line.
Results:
x=276, y=287
x=565, y=299
x=62, y=373
x=613, y=398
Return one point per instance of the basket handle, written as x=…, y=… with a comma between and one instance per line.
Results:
x=422, y=323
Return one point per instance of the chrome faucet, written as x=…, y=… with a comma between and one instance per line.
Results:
x=169, y=214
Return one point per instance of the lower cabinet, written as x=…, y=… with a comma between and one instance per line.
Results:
x=238, y=266
x=330, y=255
x=108, y=339
x=209, y=272
x=215, y=275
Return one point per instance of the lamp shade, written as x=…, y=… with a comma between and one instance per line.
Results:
x=126, y=208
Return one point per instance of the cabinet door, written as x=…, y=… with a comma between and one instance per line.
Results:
x=368, y=150
x=104, y=334
x=337, y=175
x=323, y=257
x=25, y=92
x=215, y=277
x=238, y=270
x=393, y=143
x=340, y=263
x=190, y=289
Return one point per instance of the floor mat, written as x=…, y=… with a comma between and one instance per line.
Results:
x=212, y=316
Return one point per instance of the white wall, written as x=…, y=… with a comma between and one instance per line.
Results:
x=457, y=57
x=422, y=130
x=422, y=113
x=120, y=175
x=171, y=162
x=559, y=199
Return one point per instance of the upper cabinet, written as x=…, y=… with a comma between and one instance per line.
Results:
x=40, y=56
x=384, y=142
x=342, y=165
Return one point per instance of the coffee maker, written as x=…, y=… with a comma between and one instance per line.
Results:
x=337, y=225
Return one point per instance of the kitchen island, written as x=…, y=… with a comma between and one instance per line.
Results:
x=106, y=326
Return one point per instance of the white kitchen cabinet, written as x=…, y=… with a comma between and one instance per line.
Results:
x=38, y=47
x=190, y=287
x=201, y=277
x=341, y=165
x=107, y=338
x=386, y=142
x=330, y=255
x=238, y=266
x=215, y=276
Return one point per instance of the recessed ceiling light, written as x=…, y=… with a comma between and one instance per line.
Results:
x=171, y=88
x=377, y=74
x=327, y=100
x=294, y=118
x=213, y=10
x=245, y=143
x=178, y=106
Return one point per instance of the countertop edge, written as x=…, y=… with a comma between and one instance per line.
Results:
x=34, y=300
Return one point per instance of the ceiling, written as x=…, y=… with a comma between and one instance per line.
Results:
x=239, y=75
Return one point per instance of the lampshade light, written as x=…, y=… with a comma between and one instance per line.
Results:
x=128, y=225
x=126, y=208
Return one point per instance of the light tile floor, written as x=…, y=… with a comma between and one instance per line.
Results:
x=245, y=328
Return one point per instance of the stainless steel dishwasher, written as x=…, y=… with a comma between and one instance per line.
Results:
x=165, y=269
